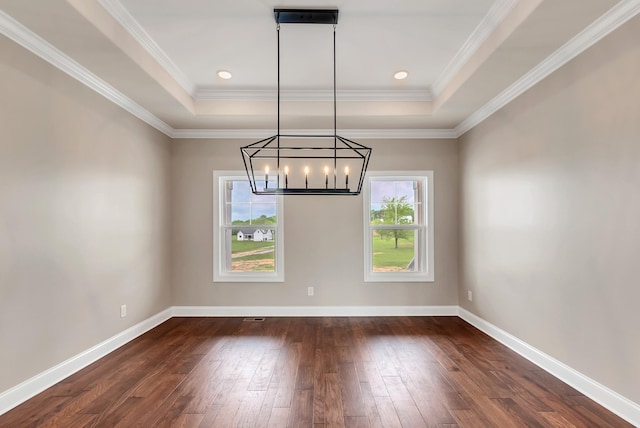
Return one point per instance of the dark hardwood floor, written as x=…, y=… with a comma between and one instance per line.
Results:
x=312, y=372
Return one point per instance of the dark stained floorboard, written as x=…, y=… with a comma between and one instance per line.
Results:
x=312, y=372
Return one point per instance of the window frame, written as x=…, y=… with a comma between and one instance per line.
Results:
x=425, y=231
x=220, y=274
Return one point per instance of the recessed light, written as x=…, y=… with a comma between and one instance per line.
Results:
x=224, y=74
x=399, y=75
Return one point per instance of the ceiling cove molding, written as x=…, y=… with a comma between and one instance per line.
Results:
x=208, y=94
x=487, y=26
x=129, y=23
x=21, y=35
x=605, y=24
x=370, y=134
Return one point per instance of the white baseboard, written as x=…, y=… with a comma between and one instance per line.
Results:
x=313, y=311
x=29, y=388
x=613, y=401
x=621, y=406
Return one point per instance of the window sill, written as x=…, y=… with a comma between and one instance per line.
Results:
x=398, y=277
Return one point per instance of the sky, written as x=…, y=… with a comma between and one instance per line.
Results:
x=381, y=189
x=246, y=205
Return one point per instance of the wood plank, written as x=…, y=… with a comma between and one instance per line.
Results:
x=284, y=375
x=312, y=372
x=266, y=408
x=356, y=422
x=370, y=406
x=432, y=409
x=368, y=372
x=301, y=414
x=319, y=388
x=231, y=404
x=169, y=416
x=333, y=410
x=469, y=418
x=387, y=412
x=305, y=377
x=350, y=391
x=249, y=410
x=77, y=420
x=279, y=417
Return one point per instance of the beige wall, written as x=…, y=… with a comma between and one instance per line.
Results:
x=323, y=234
x=550, y=209
x=83, y=217
x=548, y=228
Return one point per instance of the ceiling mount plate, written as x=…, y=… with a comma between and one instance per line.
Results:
x=306, y=16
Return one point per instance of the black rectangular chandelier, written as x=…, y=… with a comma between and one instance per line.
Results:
x=291, y=164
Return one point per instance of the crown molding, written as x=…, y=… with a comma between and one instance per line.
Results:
x=129, y=23
x=487, y=26
x=17, y=32
x=611, y=20
x=356, y=134
x=43, y=49
x=418, y=95
x=605, y=24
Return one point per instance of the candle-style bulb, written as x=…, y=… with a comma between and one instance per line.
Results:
x=306, y=177
x=286, y=177
x=346, y=177
x=266, y=177
x=326, y=177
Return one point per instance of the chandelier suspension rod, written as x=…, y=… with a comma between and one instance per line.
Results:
x=278, y=142
x=335, y=113
x=347, y=154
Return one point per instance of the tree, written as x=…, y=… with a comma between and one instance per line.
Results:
x=396, y=211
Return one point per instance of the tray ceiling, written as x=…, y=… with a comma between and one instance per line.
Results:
x=159, y=58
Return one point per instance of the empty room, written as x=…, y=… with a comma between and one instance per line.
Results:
x=362, y=213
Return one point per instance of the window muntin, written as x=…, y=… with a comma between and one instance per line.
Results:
x=398, y=236
x=247, y=232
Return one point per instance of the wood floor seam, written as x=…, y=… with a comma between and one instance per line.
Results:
x=312, y=372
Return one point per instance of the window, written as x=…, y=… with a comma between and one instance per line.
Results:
x=247, y=232
x=398, y=219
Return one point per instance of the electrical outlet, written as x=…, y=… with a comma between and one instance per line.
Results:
x=470, y=295
x=123, y=311
x=309, y=291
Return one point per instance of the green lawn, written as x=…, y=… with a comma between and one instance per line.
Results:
x=252, y=256
x=244, y=246
x=387, y=257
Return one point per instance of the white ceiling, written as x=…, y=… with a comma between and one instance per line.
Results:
x=158, y=58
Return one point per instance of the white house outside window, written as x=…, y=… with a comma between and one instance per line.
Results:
x=398, y=222
x=248, y=232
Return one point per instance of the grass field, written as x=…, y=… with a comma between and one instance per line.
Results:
x=244, y=246
x=252, y=256
x=388, y=258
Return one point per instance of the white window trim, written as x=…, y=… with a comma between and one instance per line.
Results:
x=222, y=276
x=428, y=275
